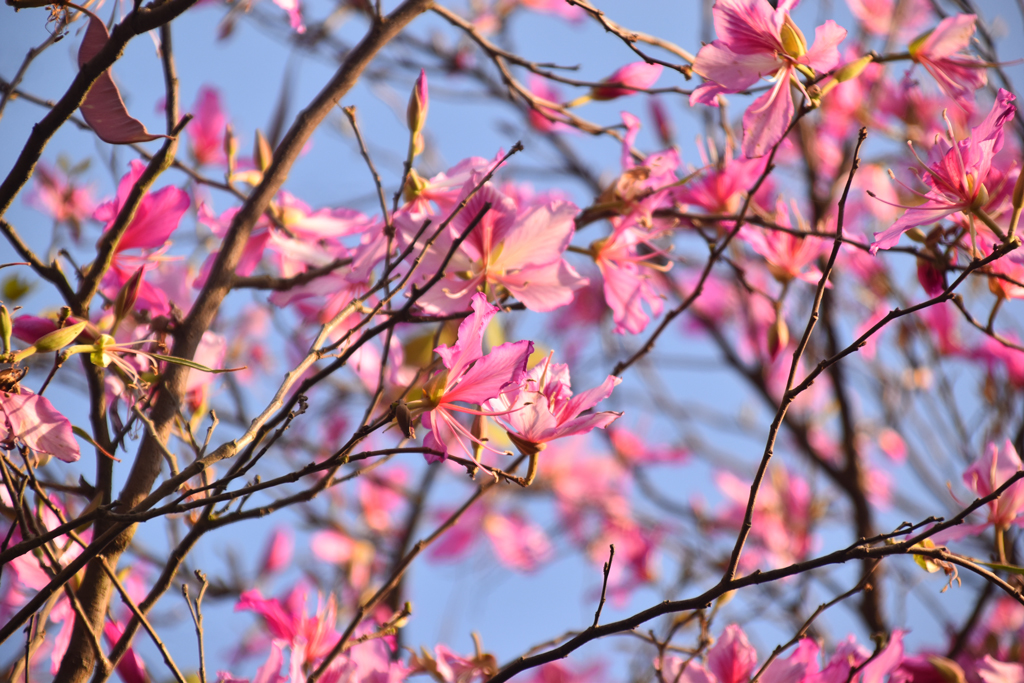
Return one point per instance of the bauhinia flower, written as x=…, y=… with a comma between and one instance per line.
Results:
x=33, y=421
x=943, y=53
x=543, y=409
x=468, y=377
x=957, y=176
x=756, y=41
x=989, y=473
x=517, y=248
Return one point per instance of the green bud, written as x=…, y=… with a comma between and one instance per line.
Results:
x=850, y=71
x=262, y=152
x=58, y=339
x=6, y=327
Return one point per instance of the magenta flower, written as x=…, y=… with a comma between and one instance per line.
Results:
x=155, y=219
x=543, y=408
x=310, y=637
x=957, y=176
x=755, y=42
x=468, y=377
x=943, y=53
x=206, y=132
x=293, y=8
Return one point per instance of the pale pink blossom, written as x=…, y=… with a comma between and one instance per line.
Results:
x=278, y=552
x=543, y=408
x=542, y=88
x=790, y=257
x=990, y=472
x=55, y=194
x=33, y=421
x=629, y=279
x=754, y=42
x=943, y=53
x=517, y=249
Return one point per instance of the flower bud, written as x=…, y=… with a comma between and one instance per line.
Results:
x=404, y=418
x=414, y=185
x=58, y=339
x=230, y=148
x=637, y=75
x=129, y=294
x=662, y=122
x=850, y=71
x=778, y=337
x=931, y=277
x=419, y=103
x=262, y=154
x=6, y=327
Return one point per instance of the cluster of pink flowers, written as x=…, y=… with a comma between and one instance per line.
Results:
x=417, y=306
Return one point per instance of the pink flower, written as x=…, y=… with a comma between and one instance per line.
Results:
x=638, y=75
x=310, y=637
x=957, y=176
x=783, y=517
x=292, y=7
x=515, y=247
x=206, y=132
x=627, y=285
x=380, y=496
x=278, y=553
x=157, y=216
x=543, y=89
x=518, y=543
x=789, y=256
x=543, y=408
x=56, y=195
x=880, y=16
x=943, y=53
x=468, y=377
x=755, y=42
x=720, y=187
x=559, y=8
x=32, y=420
x=989, y=473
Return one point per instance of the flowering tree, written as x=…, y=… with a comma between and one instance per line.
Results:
x=385, y=383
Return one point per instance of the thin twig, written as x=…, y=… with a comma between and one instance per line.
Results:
x=604, y=584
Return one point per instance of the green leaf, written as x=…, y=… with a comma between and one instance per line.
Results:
x=192, y=364
x=1004, y=567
